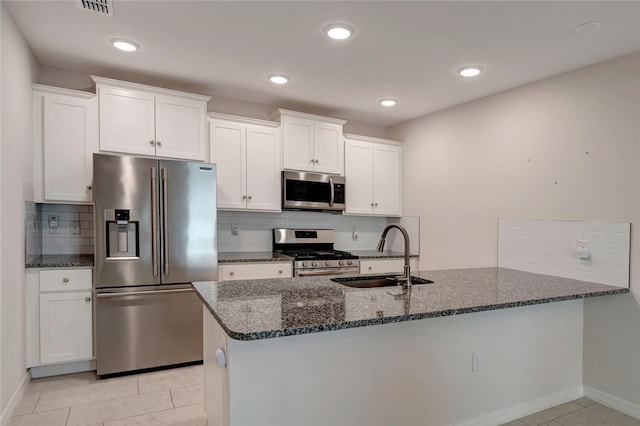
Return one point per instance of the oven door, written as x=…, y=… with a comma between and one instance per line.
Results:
x=312, y=191
x=328, y=271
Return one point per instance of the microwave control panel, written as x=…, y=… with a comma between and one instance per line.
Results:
x=338, y=197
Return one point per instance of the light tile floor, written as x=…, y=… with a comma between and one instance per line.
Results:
x=581, y=412
x=160, y=398
x=175, y=398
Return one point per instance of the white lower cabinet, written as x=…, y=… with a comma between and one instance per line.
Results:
x=65, y=327
x=386, y=266
x=59, y=306
x=254, y=271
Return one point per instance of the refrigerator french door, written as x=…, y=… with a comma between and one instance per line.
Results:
x=155, y=234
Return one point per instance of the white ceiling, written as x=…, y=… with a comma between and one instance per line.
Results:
x=404, y=50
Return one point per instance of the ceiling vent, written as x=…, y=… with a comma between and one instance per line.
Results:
x=102, y=7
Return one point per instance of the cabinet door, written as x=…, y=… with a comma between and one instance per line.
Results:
x=127, y=121
x=65, y=327
x=359, y=176
x=228, y=152
x=297, y=135
x=328, y=148
x=180, y=128
x=70, y=137
x=263, y=169
x=387, y=176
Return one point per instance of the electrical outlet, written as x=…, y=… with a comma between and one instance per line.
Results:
x=75, y=227
x=235, y=230
x=354, y=234
x=53, y=224
x=476, y=361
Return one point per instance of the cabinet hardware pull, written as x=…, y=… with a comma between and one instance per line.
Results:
x=244, y=197
x=280, y=271
x=89, y=187
x=65, y=280
x=159, y=143
x=152, y=142
x=249, y=197
x=370, y=267
x=231, y=273
x=376, y=204
x=87, y=299
x=371, y=204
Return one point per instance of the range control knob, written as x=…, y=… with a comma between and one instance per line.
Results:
x=314, y=263
x=328, y=263
x=342, y=262
x=305, y=264
x=349, y=262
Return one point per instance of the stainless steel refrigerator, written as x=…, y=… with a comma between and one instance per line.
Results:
x=155, y=233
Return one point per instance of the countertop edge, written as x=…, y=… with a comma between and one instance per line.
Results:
x=389, y=320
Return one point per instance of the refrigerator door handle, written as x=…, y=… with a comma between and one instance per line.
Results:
x=154, y=220
x=143, y=293
x=165, y=220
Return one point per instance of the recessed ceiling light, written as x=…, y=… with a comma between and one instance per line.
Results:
x=339, y=31
x=124, y=45
x=278, y=79
x=470, y=70
x=388, y=102
x=587, y=27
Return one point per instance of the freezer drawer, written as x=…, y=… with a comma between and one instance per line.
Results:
x=146, y=327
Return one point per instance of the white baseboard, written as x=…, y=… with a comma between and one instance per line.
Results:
x=614, y=402
x=512, y=413
x=15, y=400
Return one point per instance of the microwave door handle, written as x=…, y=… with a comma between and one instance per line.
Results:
x=332, y=192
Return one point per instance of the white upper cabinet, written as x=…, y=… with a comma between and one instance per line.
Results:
x=247, y=157
x=65, y=138
x=145, y=120
x=374, y=176
x=311, y=143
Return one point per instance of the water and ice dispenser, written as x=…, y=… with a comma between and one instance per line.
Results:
x=122, y=234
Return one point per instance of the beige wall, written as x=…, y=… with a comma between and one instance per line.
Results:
x=567, y=147
x=16, y=184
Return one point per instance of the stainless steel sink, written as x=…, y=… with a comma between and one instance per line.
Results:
x=372, y=281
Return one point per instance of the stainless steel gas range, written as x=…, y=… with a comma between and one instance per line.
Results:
x=313, y=252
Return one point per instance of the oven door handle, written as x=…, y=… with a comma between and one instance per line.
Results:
x=320, y=272
x=332, y=192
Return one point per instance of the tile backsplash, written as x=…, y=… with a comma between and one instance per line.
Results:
x=33, y=245
x=551, y=247
x=255, y=229
x=74, y=233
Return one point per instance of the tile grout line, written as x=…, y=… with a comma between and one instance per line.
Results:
x=66, y=422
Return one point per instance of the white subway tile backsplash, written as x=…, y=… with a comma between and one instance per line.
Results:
x=595, y=236
x=550, y=247
x=604, y=248
x=61, y=240
x=256, y=229
x=617, y=237
x=607, y=226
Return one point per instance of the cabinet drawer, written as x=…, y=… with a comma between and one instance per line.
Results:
x=254, y=271
x=65, y=279
x=384, y=266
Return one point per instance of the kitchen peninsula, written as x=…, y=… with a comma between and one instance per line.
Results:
x=347, y=356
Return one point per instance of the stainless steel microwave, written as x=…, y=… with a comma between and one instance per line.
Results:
x=312, y=191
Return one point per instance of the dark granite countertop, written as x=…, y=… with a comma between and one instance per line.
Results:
x=374, y=254
x=61, y=261
x=251, y=256
x=263, y=309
